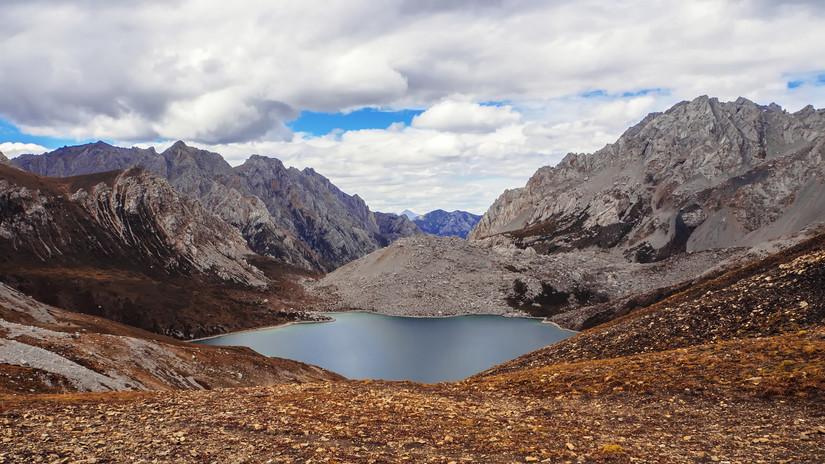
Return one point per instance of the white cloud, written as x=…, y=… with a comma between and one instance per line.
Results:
x=14, y=149
x=427, y=168
x=151, y=68
x=465, y=116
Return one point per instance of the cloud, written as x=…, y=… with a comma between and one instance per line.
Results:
x=137, y=70
x=14, y=149
x=464, y=116
x=424, y=168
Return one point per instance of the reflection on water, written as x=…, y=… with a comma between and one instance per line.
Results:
x=372, y=346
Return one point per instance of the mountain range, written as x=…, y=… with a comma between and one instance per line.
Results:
x=296, y=216
x=447, y=224
x=127, y=246
x=690, y=253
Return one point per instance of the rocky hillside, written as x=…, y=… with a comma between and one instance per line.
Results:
x=703, y=175
x=127, y=246
x=732, y=370
x=46, y=349
x=3, y=159
x=298, y=217
x=444, y=224
x=429, y=276
x=781, y=294
x=691, y=191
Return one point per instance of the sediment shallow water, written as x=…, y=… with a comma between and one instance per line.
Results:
x=373, y=346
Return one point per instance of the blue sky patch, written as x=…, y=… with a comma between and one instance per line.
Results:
x=601, y=93
x=816, y=79
x=318, y=123
x=10, y=133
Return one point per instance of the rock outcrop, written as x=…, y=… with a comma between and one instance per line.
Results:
x=393, y=227
x=444, y=224
x=296, y=216
x=702, y=175
x=3, y=159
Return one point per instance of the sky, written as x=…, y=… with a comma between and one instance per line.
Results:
x=418, y=104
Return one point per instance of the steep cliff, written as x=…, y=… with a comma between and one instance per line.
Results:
x=702, y=175
x=131, y=216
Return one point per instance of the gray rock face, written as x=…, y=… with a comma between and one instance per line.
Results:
x=337, y=227
x=702, y=175
x=298, y=217
x=130, y=217
x=3, y=159
x=444, y=224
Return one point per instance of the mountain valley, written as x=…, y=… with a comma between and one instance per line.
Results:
x=683, y=380
x=690, y=255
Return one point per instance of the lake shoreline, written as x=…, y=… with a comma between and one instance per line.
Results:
x=369, y=345
x=543, y=320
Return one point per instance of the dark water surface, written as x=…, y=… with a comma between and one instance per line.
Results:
x=372, y=346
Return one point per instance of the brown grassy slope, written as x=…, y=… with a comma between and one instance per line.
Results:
x=125, y=357
x=750, y=400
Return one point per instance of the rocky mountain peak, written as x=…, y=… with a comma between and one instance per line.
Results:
x=703, y=174
x=3, y=158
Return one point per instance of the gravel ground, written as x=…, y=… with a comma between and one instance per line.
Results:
x=435, y=276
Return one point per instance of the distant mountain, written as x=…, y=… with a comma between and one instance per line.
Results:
x=444, y=224
x=702, y=175
x=393, y=227
x=296, y=216
x=409, y=214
